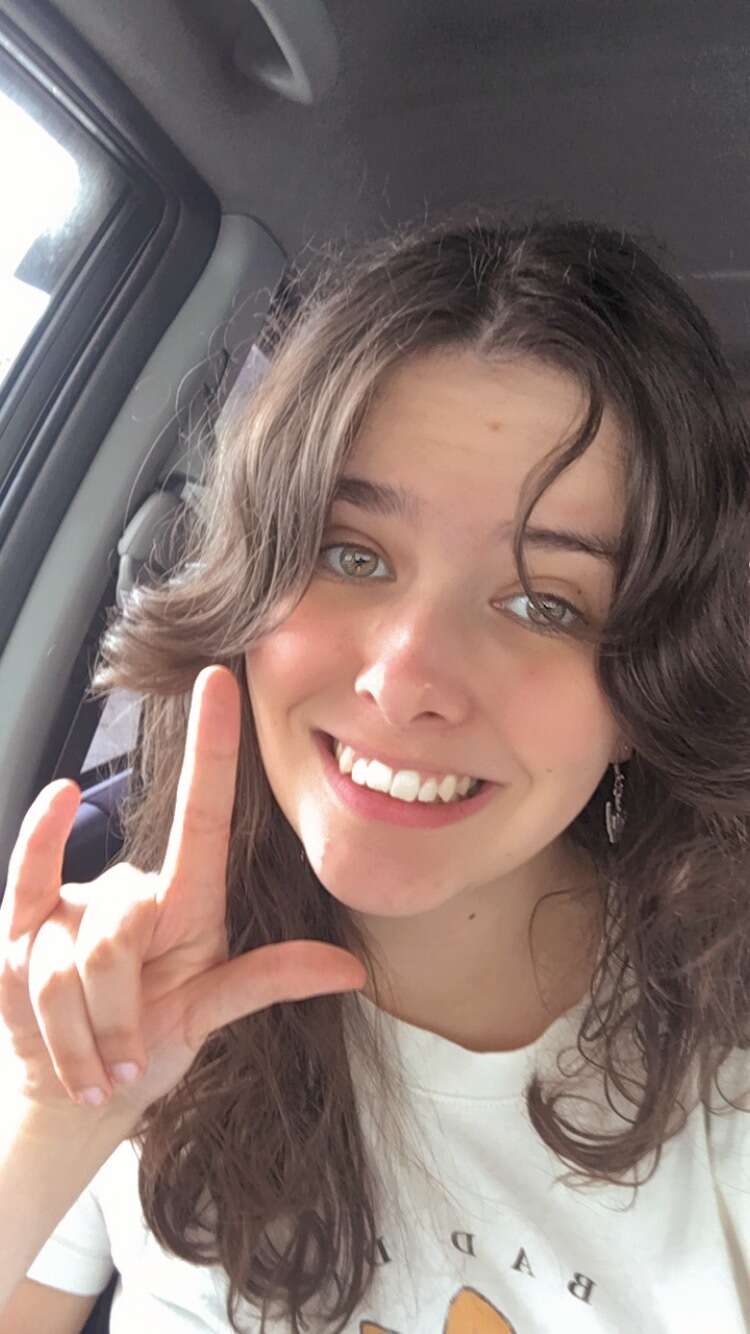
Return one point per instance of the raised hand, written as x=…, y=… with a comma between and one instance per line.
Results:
x=133, y=968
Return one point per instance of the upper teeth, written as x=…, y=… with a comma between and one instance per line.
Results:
x=405, y=784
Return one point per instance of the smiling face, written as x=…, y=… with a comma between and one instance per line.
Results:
x=416, y=638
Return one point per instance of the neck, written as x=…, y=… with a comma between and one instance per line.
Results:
x=469, y=971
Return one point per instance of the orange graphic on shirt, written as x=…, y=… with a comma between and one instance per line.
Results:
x=468, y=1313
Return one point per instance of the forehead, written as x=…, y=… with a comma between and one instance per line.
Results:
x=447, y=424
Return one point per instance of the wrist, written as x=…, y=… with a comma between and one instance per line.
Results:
x=65, y=1123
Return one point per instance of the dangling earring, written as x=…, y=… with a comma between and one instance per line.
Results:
x=616, y=822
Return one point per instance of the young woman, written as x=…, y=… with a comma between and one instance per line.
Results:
x=442, y=780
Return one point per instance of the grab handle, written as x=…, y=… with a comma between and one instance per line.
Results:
x=308, y=64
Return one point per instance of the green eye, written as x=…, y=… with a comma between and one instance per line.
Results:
x=345, y=546
x=546, y=597
x=561, y=602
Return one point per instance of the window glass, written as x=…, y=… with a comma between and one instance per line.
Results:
x=116, y=731
x=58, y=185
x=253, y=369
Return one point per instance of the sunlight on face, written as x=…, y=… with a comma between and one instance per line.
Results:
x=431, y=648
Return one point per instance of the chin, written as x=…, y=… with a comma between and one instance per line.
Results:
x=384, y=890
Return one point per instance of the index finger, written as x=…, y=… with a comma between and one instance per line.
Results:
x=199, y=838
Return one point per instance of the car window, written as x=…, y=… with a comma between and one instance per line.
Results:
x=58, y=187
x=115, y=733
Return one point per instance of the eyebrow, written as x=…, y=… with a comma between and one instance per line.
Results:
x=381, y=498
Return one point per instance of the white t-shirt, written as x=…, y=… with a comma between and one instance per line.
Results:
x=500, y=1246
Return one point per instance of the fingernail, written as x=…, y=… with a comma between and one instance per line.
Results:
x=124, y=1072
x=93, y=1096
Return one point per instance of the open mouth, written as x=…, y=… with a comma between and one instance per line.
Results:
x=477, y=785
x=367, y=804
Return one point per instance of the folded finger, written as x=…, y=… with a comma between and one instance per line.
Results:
x=57, y=997
x=112, y=939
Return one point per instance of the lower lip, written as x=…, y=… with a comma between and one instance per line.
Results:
x=377, y=806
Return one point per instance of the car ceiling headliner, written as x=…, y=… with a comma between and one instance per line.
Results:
x=634, y=113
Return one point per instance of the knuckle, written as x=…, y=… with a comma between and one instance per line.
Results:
x=118, y=1044
x=102, y=947
x=99, y=955
x=48, y=990
x=15, y=960
x=70, y=1067
x=126, y=881
x=111, y=927
x=9, y=978
x=200, y=819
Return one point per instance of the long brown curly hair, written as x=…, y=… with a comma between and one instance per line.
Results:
x=266, y=1122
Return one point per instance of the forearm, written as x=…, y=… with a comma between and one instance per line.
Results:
x=47, y=1158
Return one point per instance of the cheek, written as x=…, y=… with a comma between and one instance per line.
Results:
x=296, y=660
x=558, y=716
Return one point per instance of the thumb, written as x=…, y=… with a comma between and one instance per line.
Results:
x=290, y=970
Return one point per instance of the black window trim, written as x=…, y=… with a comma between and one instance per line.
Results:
x=101, y=333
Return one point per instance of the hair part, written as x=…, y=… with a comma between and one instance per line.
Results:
x=265, y=1128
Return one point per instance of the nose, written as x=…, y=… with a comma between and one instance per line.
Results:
x=411, y=672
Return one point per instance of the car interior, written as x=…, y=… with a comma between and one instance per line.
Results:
x=169, y=166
